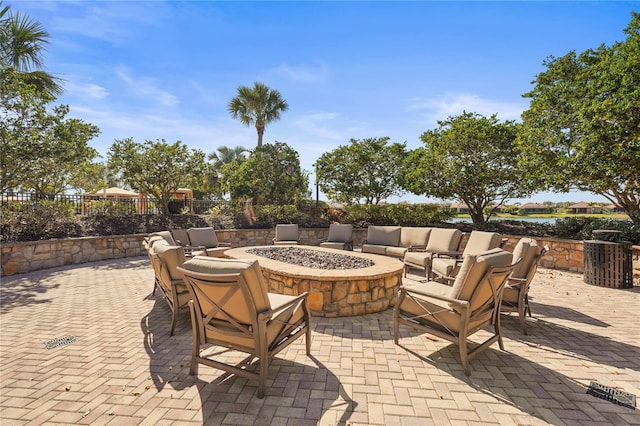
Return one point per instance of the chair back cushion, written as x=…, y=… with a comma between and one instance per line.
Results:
x=166, y=235
x=250, y=271
x=203, y=237
x=480, y=241
x=339, y=232
x=287, y=232
x=414, y=236
x=171, y=257
x=473, y=269
x=384, y=235
x=528, y=250
x=181, y=237
x=444, y=239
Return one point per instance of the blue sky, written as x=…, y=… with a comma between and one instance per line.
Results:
x=167, y=70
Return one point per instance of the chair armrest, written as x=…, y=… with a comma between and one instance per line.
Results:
x=435, y=296
x=267, y=314
x=418, y=248
x=224, y=244
x=516, y=282
x=448, y=253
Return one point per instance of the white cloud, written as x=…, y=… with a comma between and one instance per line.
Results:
x=147, y=87
x=85, y=90
x=304, y=74
x=452, y=104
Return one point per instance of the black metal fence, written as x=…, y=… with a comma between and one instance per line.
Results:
x=91, y=204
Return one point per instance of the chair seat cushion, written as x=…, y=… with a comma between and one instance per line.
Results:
x=333, y=245
x=396, y=251
x=374, y=248
x=443, y=266
x=417, y=258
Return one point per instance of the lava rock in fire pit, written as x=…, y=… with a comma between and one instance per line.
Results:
x=312, y=258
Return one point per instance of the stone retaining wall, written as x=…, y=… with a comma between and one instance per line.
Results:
x=18, y=258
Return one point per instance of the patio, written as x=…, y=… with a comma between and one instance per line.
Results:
x=123, y=367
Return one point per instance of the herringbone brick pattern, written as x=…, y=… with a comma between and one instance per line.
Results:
x=124, y=369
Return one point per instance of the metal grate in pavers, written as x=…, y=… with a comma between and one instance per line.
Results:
x=60, y=341
x=616, y=396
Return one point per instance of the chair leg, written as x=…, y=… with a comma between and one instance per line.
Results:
x=174, y=319
x=464, y=355
x=521, y=315
x=195, y=346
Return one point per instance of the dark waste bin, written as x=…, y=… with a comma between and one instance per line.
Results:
x=608, y=262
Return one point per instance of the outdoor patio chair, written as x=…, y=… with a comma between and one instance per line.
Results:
x=381, y=237
x=516, y=292
x=456, y=312
x=181, y=237
x=446, y=264
x=340, y=237
x=165, y=260
x=440, y=240
x=206, y=237
x=231, y=308
x=286, y=234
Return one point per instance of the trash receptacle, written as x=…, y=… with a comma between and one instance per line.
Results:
x=608, y=263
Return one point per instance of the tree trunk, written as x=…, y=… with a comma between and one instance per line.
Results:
x=260, y=130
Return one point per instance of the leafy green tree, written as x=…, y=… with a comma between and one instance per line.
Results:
x=363, y=170
x=157, y=169
x=582, y=128
x=270, y=175
x=470, y=158
x=258, y=105
x=22, y=44
x=40, y=151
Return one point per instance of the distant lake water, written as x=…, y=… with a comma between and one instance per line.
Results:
x=549, y=220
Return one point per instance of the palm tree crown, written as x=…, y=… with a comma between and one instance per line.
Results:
x=22, y=44
x=257, y=105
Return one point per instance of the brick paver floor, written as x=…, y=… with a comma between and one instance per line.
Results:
x=124, y=369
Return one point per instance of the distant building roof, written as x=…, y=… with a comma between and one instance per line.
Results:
x=580, y=205
x=533, y=206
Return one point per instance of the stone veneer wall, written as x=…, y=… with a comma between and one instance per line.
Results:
x=22, y=257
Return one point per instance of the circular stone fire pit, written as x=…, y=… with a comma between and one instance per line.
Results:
x=333, y=292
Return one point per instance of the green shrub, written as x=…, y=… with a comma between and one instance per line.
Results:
x=362, y=215
x=581, y=228
x=41, y=220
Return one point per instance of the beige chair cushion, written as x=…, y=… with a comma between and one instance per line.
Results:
x=172, y=257
x=417, y=258
x=481, y=241
x=181, y=237
x=203, y=237
x=443, y=266
x=166, y=235
x=288, y=233
x=395, y=251
x=333, y=245
x=250, y=271
x=414, y=236
x=339, y=232
x=443, y=239
x=473, y=269
x=528, y=250
x=384, y=235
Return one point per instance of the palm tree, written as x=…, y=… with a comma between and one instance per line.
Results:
x=227, y=155
x=22, y=44
x=258, y=105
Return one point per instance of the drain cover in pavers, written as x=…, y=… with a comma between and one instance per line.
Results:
x=59, y=341
x=614, y=395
